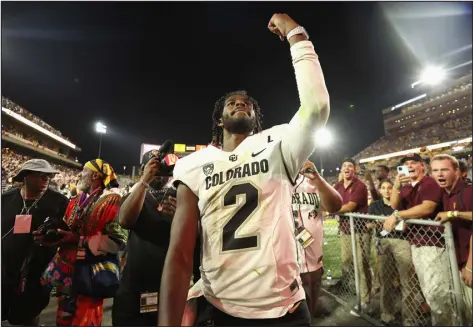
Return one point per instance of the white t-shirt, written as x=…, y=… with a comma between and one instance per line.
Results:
x=306, y=201
x=249, y=265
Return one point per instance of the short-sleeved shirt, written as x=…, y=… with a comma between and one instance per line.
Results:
x=379, y=208
x=426, y=189
x=147, y=248
x=356, y=192
x=461, y=228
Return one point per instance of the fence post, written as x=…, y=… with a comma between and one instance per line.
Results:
x=355, y=261
x=450, y=246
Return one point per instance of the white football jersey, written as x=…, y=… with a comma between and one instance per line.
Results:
x=249, y=265
x=249, y=253
x=306, y=202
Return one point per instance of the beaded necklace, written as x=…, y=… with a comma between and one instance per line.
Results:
x=83, y=207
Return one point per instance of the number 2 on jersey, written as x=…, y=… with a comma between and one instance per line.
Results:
x=229, y=241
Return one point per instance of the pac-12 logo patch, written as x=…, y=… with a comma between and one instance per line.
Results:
x=208, y=169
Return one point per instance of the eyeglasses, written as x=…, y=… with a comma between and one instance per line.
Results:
x=42, y=175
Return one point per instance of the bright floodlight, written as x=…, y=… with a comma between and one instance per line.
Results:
x=323, y=137
x=100, y=128
x=432, y=75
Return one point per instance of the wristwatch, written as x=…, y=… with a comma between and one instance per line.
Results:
x=296, y=31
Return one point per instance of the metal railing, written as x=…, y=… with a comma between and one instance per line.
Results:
x=408, y=277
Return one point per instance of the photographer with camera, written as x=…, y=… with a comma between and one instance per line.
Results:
x=147, y=211
x=32, y=207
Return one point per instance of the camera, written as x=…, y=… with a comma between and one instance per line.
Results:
x=49, y=230
x=166, y=158
x=166, y=164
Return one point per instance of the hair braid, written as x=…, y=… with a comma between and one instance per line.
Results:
x=217, y=131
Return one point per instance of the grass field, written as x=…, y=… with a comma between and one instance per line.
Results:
x=331, y=250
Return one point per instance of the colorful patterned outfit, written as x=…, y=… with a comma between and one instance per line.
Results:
x=92, y=217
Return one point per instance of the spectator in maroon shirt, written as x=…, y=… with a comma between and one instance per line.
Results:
x=419, y=198
x=457, y=208
x=355, y=199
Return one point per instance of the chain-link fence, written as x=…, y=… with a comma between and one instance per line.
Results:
x=408, y=277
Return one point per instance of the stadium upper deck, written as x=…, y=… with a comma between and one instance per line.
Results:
x=450, y=98
x=29, y=134
x=439, y=120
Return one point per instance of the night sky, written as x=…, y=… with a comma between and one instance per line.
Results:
x=153, y=71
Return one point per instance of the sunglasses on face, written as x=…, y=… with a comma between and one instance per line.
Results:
x=42, y=175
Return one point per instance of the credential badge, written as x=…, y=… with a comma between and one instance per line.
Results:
x=208, y=169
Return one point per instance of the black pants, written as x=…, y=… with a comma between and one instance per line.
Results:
x=312, y=283
x=23, y=308
x=208, y=315
x=126, y=310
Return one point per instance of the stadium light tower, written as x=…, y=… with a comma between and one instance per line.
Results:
x=101, y=129
x=432, y=75
x=323, y=139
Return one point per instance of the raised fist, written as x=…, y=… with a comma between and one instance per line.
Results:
x=281, y=24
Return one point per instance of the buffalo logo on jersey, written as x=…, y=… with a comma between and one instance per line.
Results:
x=313, y=214
x=247, y=170
x=233, y=158
x=208, y=169
x=306, y=198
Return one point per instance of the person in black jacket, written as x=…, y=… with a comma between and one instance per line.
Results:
x=24, y=210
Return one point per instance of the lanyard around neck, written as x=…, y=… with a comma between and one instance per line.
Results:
x=26, y=209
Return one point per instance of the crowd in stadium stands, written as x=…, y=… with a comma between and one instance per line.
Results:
x=28, y=115
x=12, y=162
x=65, y=181
x=12, y=132
x=450, y=130
x=455, y=89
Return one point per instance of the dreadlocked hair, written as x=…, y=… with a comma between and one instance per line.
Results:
x=217, y=131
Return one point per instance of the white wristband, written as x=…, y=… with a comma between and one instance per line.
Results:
x=296, y=31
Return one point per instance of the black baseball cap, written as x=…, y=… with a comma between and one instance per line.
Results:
x=413, y=157
x=148, y=156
